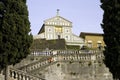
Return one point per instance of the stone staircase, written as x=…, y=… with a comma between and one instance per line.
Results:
x=63, y=55
x=21, y=75
x=28, y=72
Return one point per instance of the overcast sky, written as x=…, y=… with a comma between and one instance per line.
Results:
x=86, y=15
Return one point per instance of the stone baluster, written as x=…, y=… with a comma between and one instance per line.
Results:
x=60, y=52
x=27, y=78
x=23, y=77
x=63, y=52
x=35, y=66
x=19, y=75
x=67, y=58
x=47, y=52
x=34, y=53
x=78, y=57
x=57, y=52
x=79, y=52
x=82, y=58
x=16, y=75
x=12, y=74
x=87, y=57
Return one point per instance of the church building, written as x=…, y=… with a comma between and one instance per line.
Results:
x=58, y=27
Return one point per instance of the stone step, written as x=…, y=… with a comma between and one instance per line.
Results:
x=42, y=67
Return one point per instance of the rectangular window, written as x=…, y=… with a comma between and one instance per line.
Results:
x=58, y=29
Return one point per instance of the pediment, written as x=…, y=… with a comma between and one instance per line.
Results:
x=58, y=20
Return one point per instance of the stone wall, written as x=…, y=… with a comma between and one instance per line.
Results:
x=76, y=71
x=70, y=65
x=62, y=65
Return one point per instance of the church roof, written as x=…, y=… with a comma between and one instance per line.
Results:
x=42, y=29
x=55, y=21
x=83, y=34
x=58, y=20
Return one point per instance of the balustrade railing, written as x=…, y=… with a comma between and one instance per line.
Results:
x=21, y=75
x=64, y=55
x=38, y=52
x=54, y=52
x=57, y=55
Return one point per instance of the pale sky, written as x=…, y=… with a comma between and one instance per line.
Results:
x=86, y=15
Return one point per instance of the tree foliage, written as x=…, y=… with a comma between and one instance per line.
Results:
x=111, y=28
x=15, y=37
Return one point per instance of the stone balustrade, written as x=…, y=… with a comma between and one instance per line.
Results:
x=64, y=55
x=36, y=64
x=41, y=52
x=78, y=55
x=54, y=52
x=78, y=51
x=75, y=57
x=99, y=56
x=21, y=75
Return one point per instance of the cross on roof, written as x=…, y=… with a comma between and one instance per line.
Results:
x=58, y=12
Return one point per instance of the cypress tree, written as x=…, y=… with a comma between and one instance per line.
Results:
x=111, y=28
x=15, y=37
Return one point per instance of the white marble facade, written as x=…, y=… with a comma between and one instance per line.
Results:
x=59, y=28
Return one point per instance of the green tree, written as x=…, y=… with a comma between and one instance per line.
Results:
x=15, y=37
x=111, y=28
